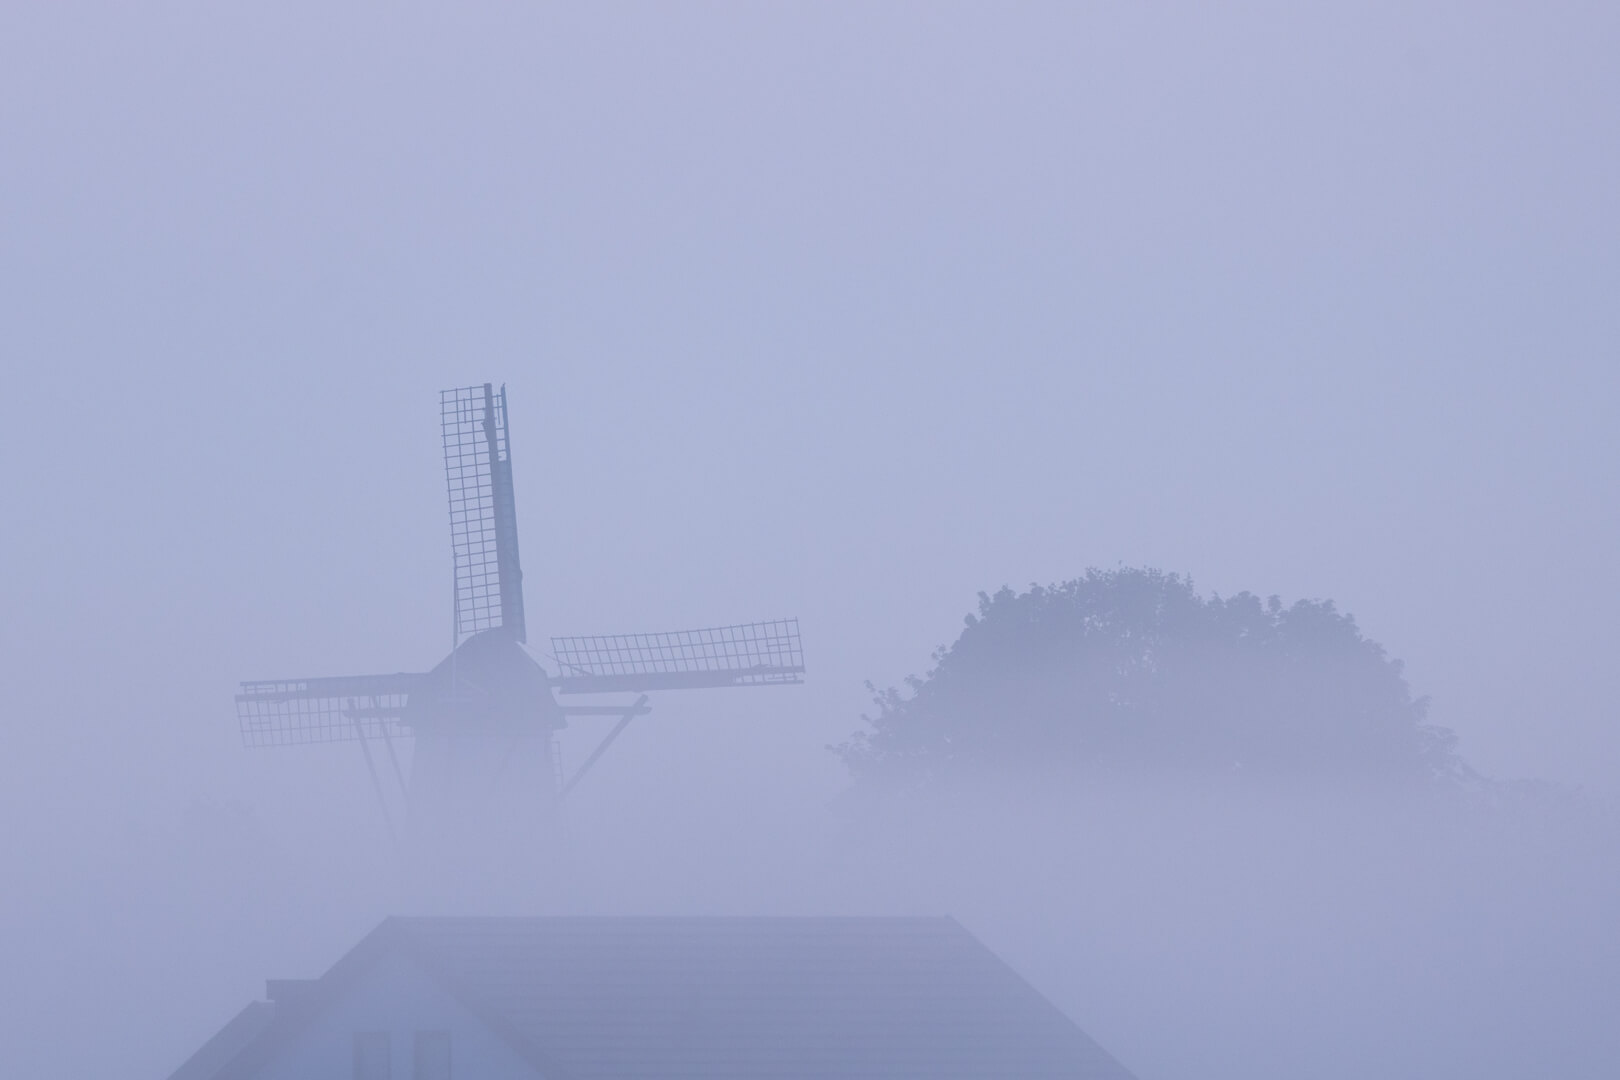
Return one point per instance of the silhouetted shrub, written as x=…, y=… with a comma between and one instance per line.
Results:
x=1127, y=670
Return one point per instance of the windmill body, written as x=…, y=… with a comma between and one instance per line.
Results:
x=484, y=764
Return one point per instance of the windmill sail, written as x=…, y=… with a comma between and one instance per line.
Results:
x=748, y=654
x=484, y=761
x=483, y=517
x=289, y=712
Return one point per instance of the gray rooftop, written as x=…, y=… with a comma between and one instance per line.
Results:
x=777, y=998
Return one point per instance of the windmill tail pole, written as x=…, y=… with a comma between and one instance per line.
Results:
x=399, y=775
x=628, y=715
x=376, y=784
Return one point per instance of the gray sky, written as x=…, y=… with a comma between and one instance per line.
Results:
x=844, y=312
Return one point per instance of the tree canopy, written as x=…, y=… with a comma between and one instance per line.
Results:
x=1131, y=669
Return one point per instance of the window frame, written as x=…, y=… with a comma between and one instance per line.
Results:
x=436, y=1038
x=365, y=1043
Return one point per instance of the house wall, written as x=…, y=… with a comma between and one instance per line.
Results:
x=398, y=997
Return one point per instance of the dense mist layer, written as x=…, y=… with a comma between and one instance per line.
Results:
x=1195, y=930
x=843, y=312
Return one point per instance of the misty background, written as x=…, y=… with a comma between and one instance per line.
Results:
x=847, y=313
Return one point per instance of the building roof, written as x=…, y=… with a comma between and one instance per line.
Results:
x=243, y=1030
x=777, y=998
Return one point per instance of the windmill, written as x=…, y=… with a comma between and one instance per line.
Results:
x=483, y=721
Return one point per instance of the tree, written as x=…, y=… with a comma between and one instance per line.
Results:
x=1130, y=670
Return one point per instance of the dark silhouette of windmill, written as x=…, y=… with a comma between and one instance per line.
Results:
x=484, y=720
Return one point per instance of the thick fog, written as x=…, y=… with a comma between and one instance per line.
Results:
x=843, y=312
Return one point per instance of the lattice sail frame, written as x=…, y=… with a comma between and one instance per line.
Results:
x=747, y=654
x=483, y=518
x=293, y=712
